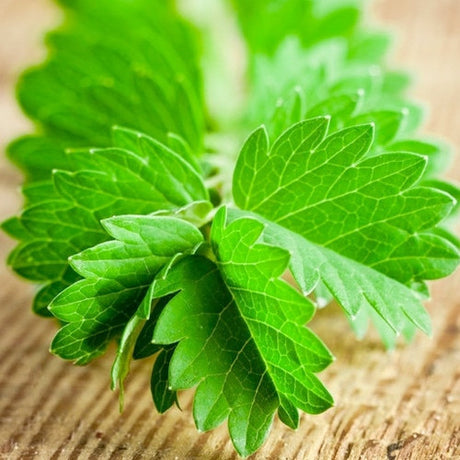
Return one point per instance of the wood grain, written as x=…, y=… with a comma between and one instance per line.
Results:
x=400, y=405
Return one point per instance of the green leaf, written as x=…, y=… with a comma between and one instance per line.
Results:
x=15, y=228
x=37, y=192
x=49, y=291
x=450, y=188
x=117, y=276
x=111, y=65
x=266, y=23
x=341, y=191
x=216, y=353
x=436, y=152
x=105, y=179
x=395, y=82
x=367, y=47
x=144, y=346
x=163, y=396
x=288, y=413
x=387, y=125
x=340, y=107
x=63, y=218
x=231, y=326
x=274, y=312
x=55, y=231
x=330, y=79
x=146, y=315
x=359, y=223
x=37, y=156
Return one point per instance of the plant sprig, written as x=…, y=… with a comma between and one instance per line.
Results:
x=137, y=230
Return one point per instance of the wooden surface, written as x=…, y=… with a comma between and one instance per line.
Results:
x=403, y=405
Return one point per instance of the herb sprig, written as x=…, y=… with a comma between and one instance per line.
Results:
x=133, y=237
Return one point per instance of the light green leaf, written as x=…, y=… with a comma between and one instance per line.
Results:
x=387, y=124
x=360, y=224
x=339, y=107
x=111, y=65
x=435, y=151
x=368, y=47
x=101, y=183
x=37, y=156
x=266, y=23
x=107, y=178
x=231, y=327
x=215, y=352
x=117, y=276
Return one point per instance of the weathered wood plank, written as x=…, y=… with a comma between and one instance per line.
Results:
x=403, y=405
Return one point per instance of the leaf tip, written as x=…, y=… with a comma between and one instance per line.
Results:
x=321, y=302
x=404, y=111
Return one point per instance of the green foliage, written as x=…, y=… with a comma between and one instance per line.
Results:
x=361, y=224
x=248, y=362
x=130, y=230
x=117, y=275
x=110, y=64
x=265, y=23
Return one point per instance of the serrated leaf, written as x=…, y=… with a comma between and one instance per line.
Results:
x=361, y=224
x=266, y=23
x=387, y=124
x=162, y=395
x=288, y=413
x=396, y=82
x=230, y=333
x=146, y=316
x=37, y=156
x=49, y=291
x=117, y=276
x=273, y=311
x=436, y=152
x=369, y=46
x=349, y=201
x=39, y=192
x=161, y=180
x=204, y=318
x=103, y=183
x=55, y=230
x=15, y=228
x=450, y=188
x=132, y=75
x=339, y=107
